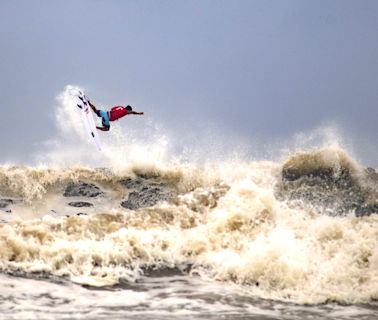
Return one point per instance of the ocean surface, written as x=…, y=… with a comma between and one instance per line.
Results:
x=127, y=238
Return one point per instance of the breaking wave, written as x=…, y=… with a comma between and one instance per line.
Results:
x=303, y=230
x=248, y=229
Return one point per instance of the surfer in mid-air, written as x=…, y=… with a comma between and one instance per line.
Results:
x=113, y=114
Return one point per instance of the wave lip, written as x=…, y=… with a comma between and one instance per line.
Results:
x=329, y=181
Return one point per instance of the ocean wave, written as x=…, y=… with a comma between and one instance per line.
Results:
x=304, y=230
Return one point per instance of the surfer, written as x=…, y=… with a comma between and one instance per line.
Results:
x=113, y=114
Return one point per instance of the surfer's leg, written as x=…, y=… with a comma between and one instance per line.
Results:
x=97, y=112
x=105, y=120
x=103, y=128
x=93, y=108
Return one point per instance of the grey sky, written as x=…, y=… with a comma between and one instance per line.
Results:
x=254, y=69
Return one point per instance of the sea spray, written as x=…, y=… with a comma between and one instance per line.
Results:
x=226, y=225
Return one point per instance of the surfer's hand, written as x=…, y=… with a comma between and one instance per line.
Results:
x=141, y=113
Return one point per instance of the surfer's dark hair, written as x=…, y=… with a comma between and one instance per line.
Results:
x=129, y=108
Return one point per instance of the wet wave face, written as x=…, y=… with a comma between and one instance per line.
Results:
x=304, y=230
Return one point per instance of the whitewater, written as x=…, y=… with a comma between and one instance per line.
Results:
x=138, y=231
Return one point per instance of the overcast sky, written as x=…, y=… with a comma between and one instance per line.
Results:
x=262, y=70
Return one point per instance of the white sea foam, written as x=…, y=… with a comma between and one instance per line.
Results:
x=241, y=234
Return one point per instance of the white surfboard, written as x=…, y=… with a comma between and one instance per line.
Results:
x=87, y=116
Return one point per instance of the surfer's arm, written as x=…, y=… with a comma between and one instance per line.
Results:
x=134, y=112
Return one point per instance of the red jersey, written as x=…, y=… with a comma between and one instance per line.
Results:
x=117, y=112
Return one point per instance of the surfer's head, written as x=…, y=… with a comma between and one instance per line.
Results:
x=129, y=108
